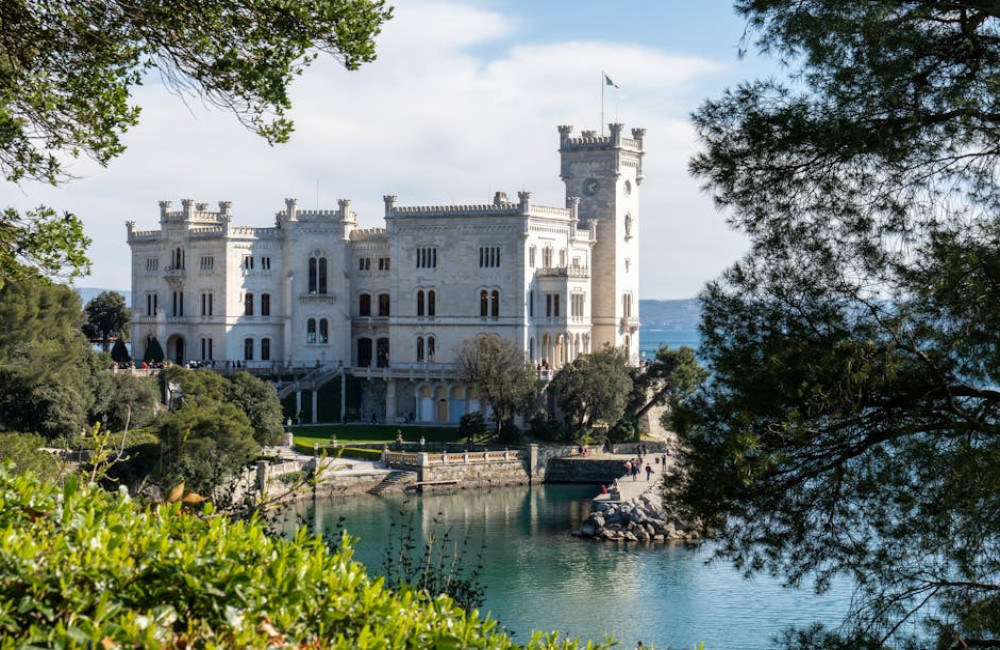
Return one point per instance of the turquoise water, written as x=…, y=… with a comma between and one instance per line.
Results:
x=650, y=340
x=538, y=576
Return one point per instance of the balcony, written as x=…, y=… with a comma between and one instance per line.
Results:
x=317, y=298
x=370, y=321
x=577, y=272
x=174, y=273
x=630, y=323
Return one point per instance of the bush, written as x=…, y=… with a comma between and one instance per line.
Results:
x=85, y=568
x=361, y=454
x=547, y=428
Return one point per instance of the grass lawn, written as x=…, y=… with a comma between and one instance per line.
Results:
x=372, y=433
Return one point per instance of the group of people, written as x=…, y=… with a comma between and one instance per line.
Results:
x=635, y=465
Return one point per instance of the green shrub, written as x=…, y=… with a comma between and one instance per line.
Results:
x=362, y=454
x=85, y=568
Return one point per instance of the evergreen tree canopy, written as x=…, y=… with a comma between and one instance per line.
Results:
x=851, y=426
x=107, y=317
x=594, y=387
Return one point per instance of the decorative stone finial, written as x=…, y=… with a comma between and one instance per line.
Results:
x=615, y=128
x=186, y=207
x=525, y=201
x=588, y=134
x=573, y=203
x=565, y=131
x=224, y=207
x=292, y=209
x=390, y=203
x=499, y=198
x=201, y=207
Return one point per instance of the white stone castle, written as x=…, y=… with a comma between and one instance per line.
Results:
x=393, y=304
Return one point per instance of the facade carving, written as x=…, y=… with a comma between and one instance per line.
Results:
x=394, y=303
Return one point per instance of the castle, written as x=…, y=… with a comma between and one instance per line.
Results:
x=393, y=304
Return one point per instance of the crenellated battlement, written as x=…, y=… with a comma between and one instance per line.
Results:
x=589, y=140
x=368, y=234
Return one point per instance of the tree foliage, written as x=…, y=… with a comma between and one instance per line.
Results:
x=40, y=241
x=107, y=316
x=850, y=424
x=498, y=371
x=668, y=378
x=593, y=388
x=169, y=578
x=68, y=69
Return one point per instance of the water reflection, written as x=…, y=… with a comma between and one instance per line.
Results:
x=540, y=577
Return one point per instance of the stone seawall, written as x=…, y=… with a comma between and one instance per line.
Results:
x=584, y=470
x=475, y=475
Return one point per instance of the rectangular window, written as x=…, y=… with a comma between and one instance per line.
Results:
x=265, y=263
x=152, y=264
x=531, y=303
x=265, y=304
x=531, y=257
x=552, y=305
x=207, y=262
x=206, y=350
x=489, y=257
x=427, y=257
x=248, y=263
x=248, y=305
x=206, y=304
x=265, y=349
x=248, y=349
x=383, y=264
x=364, y=264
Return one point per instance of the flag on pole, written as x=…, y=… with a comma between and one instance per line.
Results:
x=608, y=82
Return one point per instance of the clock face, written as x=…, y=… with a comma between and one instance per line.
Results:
x=590, y=186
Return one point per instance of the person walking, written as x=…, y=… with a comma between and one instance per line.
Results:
x=628, y=467
x=649, y=472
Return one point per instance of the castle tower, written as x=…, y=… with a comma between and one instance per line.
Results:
x=605, y=173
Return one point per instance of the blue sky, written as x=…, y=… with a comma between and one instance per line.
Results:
x=463, y=101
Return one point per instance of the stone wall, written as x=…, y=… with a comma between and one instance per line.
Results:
x=584, y=470
x=475, y=475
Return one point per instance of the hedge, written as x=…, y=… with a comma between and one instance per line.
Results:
x=85, y=568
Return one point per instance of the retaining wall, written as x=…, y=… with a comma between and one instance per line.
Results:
x=584, y=470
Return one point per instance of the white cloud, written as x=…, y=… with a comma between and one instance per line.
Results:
x=447, y=114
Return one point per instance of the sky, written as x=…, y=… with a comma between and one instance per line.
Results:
x=463, y=101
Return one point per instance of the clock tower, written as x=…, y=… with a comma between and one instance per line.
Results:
x=605, y=172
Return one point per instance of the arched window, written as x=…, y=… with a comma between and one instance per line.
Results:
x=317, y=275
x=531, y=348
x=248, y=349
x=420, y=303
x=495, y=304
x=265, y=304
x=430, y=348
x=248, y=305
x=420, y=349
x=484, y=303
x=311, y=330
x=324, y=330
x=383, y=304
x=265, y=349
x=431, y=300
x=365, y=304
x=364, y=352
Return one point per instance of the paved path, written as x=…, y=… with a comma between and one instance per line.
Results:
x=628, y=488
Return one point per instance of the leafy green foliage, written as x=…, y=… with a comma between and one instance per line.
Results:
x=259, y=400
x=850, y=424
x=501, y=376
x=668, y=378
x=119, y=352
x=68, y=67
x=472, y=426
x=24, y=452
x=593, y=388
x=40, y=240
x=81, y=567
x=544, y=427
x=107, y=317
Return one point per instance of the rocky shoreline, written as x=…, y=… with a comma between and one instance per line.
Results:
x=644, y=518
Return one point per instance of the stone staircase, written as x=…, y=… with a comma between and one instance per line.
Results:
x=396, y=480
x=313, y=380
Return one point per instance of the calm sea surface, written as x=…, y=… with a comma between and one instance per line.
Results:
x=650, y=340
x=539, y=577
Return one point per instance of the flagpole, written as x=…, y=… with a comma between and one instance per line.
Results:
x=602, y=103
